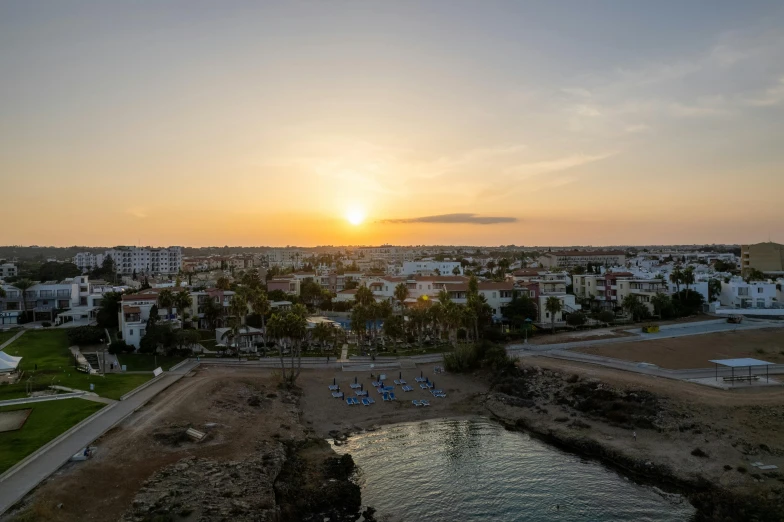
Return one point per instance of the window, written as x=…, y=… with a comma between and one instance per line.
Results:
x=759, y=290
x=130, y=332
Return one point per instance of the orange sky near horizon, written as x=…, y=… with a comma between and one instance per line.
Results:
x=442, y=122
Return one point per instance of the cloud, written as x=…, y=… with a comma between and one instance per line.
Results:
x=465, y=218
x=554, y=165
x=137, y=212
x=637, y=128
x=772, y=96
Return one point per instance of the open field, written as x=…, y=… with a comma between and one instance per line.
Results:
x=695, y=351
x=139, y=362
x=7, y=334
x=46, y=421
x=48, y=350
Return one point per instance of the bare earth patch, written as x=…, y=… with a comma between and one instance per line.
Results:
x=695, y=351
x=14, y=419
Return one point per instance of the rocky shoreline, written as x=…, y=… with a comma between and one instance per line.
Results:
x=521, y=398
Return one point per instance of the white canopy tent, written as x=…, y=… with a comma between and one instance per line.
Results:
x=8, y=363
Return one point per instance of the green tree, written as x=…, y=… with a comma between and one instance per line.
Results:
x=606, y=317
x=456, y=271
x=520, y=308
x=166, y=300
x=24, y=285
x=212, y=311
x=182, y=301
x=251, y=279
x=260, y=305
x=553, y=305
x=290, y=329
x=223, y=283
x=676, y=276
x=359, y=318
x=108, y=312
x=714, y=289
x=364, y=296
x=752, y=274
x=54, y=271
x=632, y=305
x=576, y=319
x=661, y=303
x=394, y=327
x=688, y=277
x=401, y=294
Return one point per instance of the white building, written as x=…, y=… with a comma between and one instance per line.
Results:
x=756, y=294
x=128, y=260
x=8, y=270
x=87, y=261
x=432, y=267
x=285, y=257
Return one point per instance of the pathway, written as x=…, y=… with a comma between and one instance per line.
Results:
x=17, y=482
x=12, y=339
x=344, y=353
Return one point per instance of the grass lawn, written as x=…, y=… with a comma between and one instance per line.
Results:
x=5, y=335
x=49, y=350
x=140, y=362
x=46, y=421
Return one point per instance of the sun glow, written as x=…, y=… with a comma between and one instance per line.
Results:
x=355, y=216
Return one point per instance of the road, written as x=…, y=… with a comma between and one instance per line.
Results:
x=18, y=484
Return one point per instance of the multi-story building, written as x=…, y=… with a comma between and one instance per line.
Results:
x=128, y=260
x=7, y=270
x=608, y=290
x=756, y=294
x=768, y=258
x=386, y=253
x=432, y=267
x=285, y=257
x=497, y=294
x=86, y=261
x=571, y=258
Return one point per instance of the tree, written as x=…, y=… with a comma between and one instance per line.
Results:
x=310, y=292
x=576, y=319
x=714, y=289
x=688, y=277
x=503, y=267
x=323, y=333
x=661, y=302
x=251, y=279
x=260, y=305
x=289, y=330
x=631, y=303
x=107, y=316
x=182, y=301
x=364, y=296
x=54, y=271
x=520, y=308
x=2, y=292
x=676, y=276
x=223, y=283
x=212, y=312
x=606, y=316
x=554, y=306
x=690, y=302
x=401, y=294
x=24, y=285
x=359, y=319
x=455, y=271
x=166, y=300
x=186, y=339
x=394, y=327
x=752, y=274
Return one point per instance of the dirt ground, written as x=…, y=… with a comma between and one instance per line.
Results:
x=240, y=409
x=733, y=428
x=695, y=351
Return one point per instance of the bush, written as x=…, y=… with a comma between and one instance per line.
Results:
x=741, y=469
x=573, y=378
x=607, y=317
x=576, y=319
x=697, y=452
x=120, y=347
x=84, y=335
x=727, y=467
x=46, y=324
x=493, y=335
x=463, y=359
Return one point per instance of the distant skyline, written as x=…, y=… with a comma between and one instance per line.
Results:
x=439, y=122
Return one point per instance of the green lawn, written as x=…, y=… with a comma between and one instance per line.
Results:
x=5, y=335
x=46, y=421
x=49, y=350
x=139, y=362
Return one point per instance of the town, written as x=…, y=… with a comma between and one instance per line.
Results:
x=110, y=317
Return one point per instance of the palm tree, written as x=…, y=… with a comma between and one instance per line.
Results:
x=182, y=301
x=631, y=304
x=259, y=303
x=554, y=306
x=401, y=294
x=23, y=285
x=364, y=296
x=688, y=277
x=238, y=307
x=660, y=301
x=166, y=300
x=714, y=289
x=323, y=333
x=212, y=312
x=359, y=318
x=676, y=276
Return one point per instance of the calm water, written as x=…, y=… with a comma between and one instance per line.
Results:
x=457, y=470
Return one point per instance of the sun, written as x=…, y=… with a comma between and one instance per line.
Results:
x=355, y=216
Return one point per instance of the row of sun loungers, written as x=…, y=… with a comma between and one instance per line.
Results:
x=421, y=403
x=387, y=392
x=366, y=401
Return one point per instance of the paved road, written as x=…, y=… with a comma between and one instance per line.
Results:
x=17, y=485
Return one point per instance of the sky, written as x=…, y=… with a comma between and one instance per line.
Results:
x=426, y=122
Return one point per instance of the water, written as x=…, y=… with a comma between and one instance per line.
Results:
x=474, y=469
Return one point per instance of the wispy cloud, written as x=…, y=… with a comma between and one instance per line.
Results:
x=137, y=212
x=554, y=165
x=772, y=96
x=459, y=218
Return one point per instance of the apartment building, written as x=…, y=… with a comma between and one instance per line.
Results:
x=497, y=294
x=571, y=258
x=757, y=294
x=385, y=253
x=128, y=260
x=768, y=258
x=8, y=270
x=432, y=267
x=285, y=257
x=608, y=290
x=87, y=261
x=547, y=282
x=288, y=284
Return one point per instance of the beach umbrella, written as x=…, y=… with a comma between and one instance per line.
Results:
x=355, y=380
x=361, y=387
x=427, y=380
x=400, y=375
x=434, y=384
x=420, y=373
x=334, y=381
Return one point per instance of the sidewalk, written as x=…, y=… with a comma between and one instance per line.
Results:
x=18, y=483
x=12, y=339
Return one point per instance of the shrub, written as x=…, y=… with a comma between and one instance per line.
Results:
x=463, y=359
x=84, y=335
x=576, y=319
x=741, y=469
x=727, y=467
x=607, y=317
x=120, y=347
x=573, y=378
x=697, y=452
x=46, y=324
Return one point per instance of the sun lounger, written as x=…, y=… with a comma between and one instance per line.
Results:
x=333, y=387
x=380, y=390
x=420, y=379
x=355, y=386
x=407, y=388
x=416, y=403
x=392, y=396
x=350, y=401
x=337, y=395
x=382, y=377
x=436, y=392
x=365, y=402
x=424, y=403
x=389, y=388
x=440, y=395
x=361, y=393
x=397, y=381
x=375, y=384
x=423, y=386
x=385, y=397
x=370, y=400
x=402, y=381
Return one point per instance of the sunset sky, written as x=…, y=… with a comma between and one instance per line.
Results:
x=451, y=122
